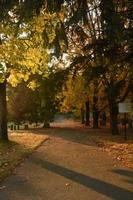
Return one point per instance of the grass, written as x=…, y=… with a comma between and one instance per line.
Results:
x=115, y=146
x=119, y=149
x=20, y=145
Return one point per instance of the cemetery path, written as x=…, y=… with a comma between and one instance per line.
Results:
x=65, y=168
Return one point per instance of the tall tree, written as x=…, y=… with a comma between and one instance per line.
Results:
x=3, y=112
x=103, y=37
x=23, y=52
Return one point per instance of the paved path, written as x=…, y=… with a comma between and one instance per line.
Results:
x=64, y=168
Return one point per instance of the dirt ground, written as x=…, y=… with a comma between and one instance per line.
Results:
x=66, y=168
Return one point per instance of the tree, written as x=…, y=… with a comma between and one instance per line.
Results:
x=23, y=104
x=75, y=94
x=39, y=103
x=3, y=111
x=22, y=52
x=118, y=74
x=50, y=93
x=105, y=45
x=96, y=33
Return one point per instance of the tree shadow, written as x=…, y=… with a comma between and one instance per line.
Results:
x=69, y=134
x=82, y=135
x=102, y=187
x=76, y=132
x=124, y=172
x=18, y=187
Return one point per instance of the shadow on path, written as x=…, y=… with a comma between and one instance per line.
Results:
x=80, y=136
x=113, y=191
x=124, y=172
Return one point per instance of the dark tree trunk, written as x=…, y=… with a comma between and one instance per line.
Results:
x=103, y=119
x=112, y=94
x=3, y=112
x=95, y=112
x=87, y=106
x=36, y=123
x=46, y=125
x=82, y=116
x=130, y=124
x=113, y=117
x=95, y=119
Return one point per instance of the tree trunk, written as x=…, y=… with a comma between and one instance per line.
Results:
x=95, y=112
x=82, y=115
x=113, y=117
x=3, y=112
x=95, y=119
x=46, y=125
x=87, y=106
